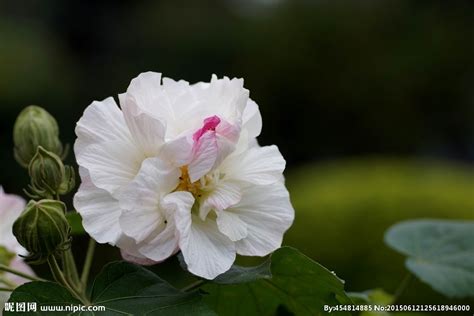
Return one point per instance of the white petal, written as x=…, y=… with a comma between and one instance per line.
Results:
x=231, y=225
x=177, y=152
x=224, y=97
x=147, y=131
x=268, y=213
x=129, y=251
x=206, y=251
x=99, y=210
x=142, y=214
x=257, y=165
x=137, y=259
x=140, y=224
x=205, y=155
x=111, y=165
x=145, y=91
x=19, y=265
x=179, y=95
x=11, y=207
x=163, y=245
x=252, y=119
x=224, y=195
x=102, y=121
x=227, y=136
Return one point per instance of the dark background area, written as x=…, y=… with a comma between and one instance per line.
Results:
x=334, y=79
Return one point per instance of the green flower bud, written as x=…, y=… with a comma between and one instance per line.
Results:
x=43, y=230
x=69, y=181
x=47, y=173
x=35, y=127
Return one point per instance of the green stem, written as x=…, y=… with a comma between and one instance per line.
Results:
x=7, y=282
x=6, y=289
x=88, y=262
x=60, y=278
x=70, y=269
x=194, y=285
x=19, y=273
x=402, y=287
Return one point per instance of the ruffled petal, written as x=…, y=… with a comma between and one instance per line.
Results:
x=206, y=251
x=224, y=97
x=163, y=245
x=142, y=213
x=137, y=259
x=102, y=121
x=11, y=207
x=146, y=93
x=204, y=156
x=148, y=132
x=111, y=165
x=224, y=195
x=257, y=165
x=178, y=152
x=252, y=119
x=99, y=210
x=268, y=213
x=231, y=225
x=129, y=251
x=227, y=136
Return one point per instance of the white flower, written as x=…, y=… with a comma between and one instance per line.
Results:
x=11, y=207
x=179, y=168
x=113, y=143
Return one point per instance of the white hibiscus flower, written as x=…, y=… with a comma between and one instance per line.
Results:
x=157, y=117
x=240, y=207
x=11, y=207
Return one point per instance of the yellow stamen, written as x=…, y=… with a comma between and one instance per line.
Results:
x=185, y=183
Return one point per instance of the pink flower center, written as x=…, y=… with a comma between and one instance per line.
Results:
x=210, y=124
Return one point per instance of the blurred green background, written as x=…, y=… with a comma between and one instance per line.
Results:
x=371, y=102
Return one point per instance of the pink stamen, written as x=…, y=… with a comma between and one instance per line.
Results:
x=210, y=124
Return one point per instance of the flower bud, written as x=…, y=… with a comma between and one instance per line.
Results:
x=35, y=127
x=43, y=230
x=69, y=180
x=47, y=173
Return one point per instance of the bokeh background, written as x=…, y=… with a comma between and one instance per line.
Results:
x=371, y=102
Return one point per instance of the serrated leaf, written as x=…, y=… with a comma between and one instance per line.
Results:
x=439, y=252
x=298, y=286
x=124, y=289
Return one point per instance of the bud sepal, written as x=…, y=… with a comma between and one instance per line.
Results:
x=43, y=230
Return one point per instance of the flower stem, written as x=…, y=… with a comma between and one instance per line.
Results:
x=6, y=289
x=60, y=278
x=70, y=269
x=194, y=286
x=402, y=287
x=7, y=282
x=19, y=273
x=88, y=262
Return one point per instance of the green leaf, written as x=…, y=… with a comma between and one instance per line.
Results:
x=124, y=289
x=440, y=253
x=238, y=274
x=43, y=294
x=298, y=286
x=75, y=221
